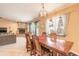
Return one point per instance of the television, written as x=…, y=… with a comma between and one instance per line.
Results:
x=3, y=30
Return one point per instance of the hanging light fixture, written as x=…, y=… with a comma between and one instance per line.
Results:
x=43, y=11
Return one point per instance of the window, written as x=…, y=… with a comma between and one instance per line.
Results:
x=37, y=28
x=57, y=24
x=33, y=27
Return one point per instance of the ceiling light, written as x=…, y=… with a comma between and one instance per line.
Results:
x=43, y=11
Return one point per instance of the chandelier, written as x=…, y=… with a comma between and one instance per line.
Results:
x=43, y=11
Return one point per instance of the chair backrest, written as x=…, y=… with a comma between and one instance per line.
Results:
x=44, y=34
x=37, y=44
x=28, y=38
x=30, y=34
x=54, y=36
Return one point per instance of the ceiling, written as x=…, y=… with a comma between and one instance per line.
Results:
x=25, y=12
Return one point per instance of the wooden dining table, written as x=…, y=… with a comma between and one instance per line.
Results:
x=61, y=46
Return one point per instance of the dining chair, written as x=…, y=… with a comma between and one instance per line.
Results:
x=28, y=42
x=38, y=50
x=30, y=34
x=54, y=36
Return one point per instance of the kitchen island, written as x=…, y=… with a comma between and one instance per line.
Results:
x=7, y=39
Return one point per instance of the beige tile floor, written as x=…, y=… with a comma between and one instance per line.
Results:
x=16, y=49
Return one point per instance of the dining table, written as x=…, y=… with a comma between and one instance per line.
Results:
x=62, y=47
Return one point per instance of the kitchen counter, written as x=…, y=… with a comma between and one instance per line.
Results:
x=7, y=39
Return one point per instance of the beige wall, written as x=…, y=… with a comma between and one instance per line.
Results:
x=10, y=25
x=72, y=30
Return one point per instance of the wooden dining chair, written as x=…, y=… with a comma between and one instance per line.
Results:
x=28, y=42
x=54, y=36
x=38, y=50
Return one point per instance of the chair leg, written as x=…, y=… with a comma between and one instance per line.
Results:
x=54, y=53
x=27, y=46
x=32, y=53
x=51, y=53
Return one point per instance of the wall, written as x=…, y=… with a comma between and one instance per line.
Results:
x=10, y=25
x=72, y=30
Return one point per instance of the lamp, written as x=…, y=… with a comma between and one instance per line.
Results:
x=43, y=11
